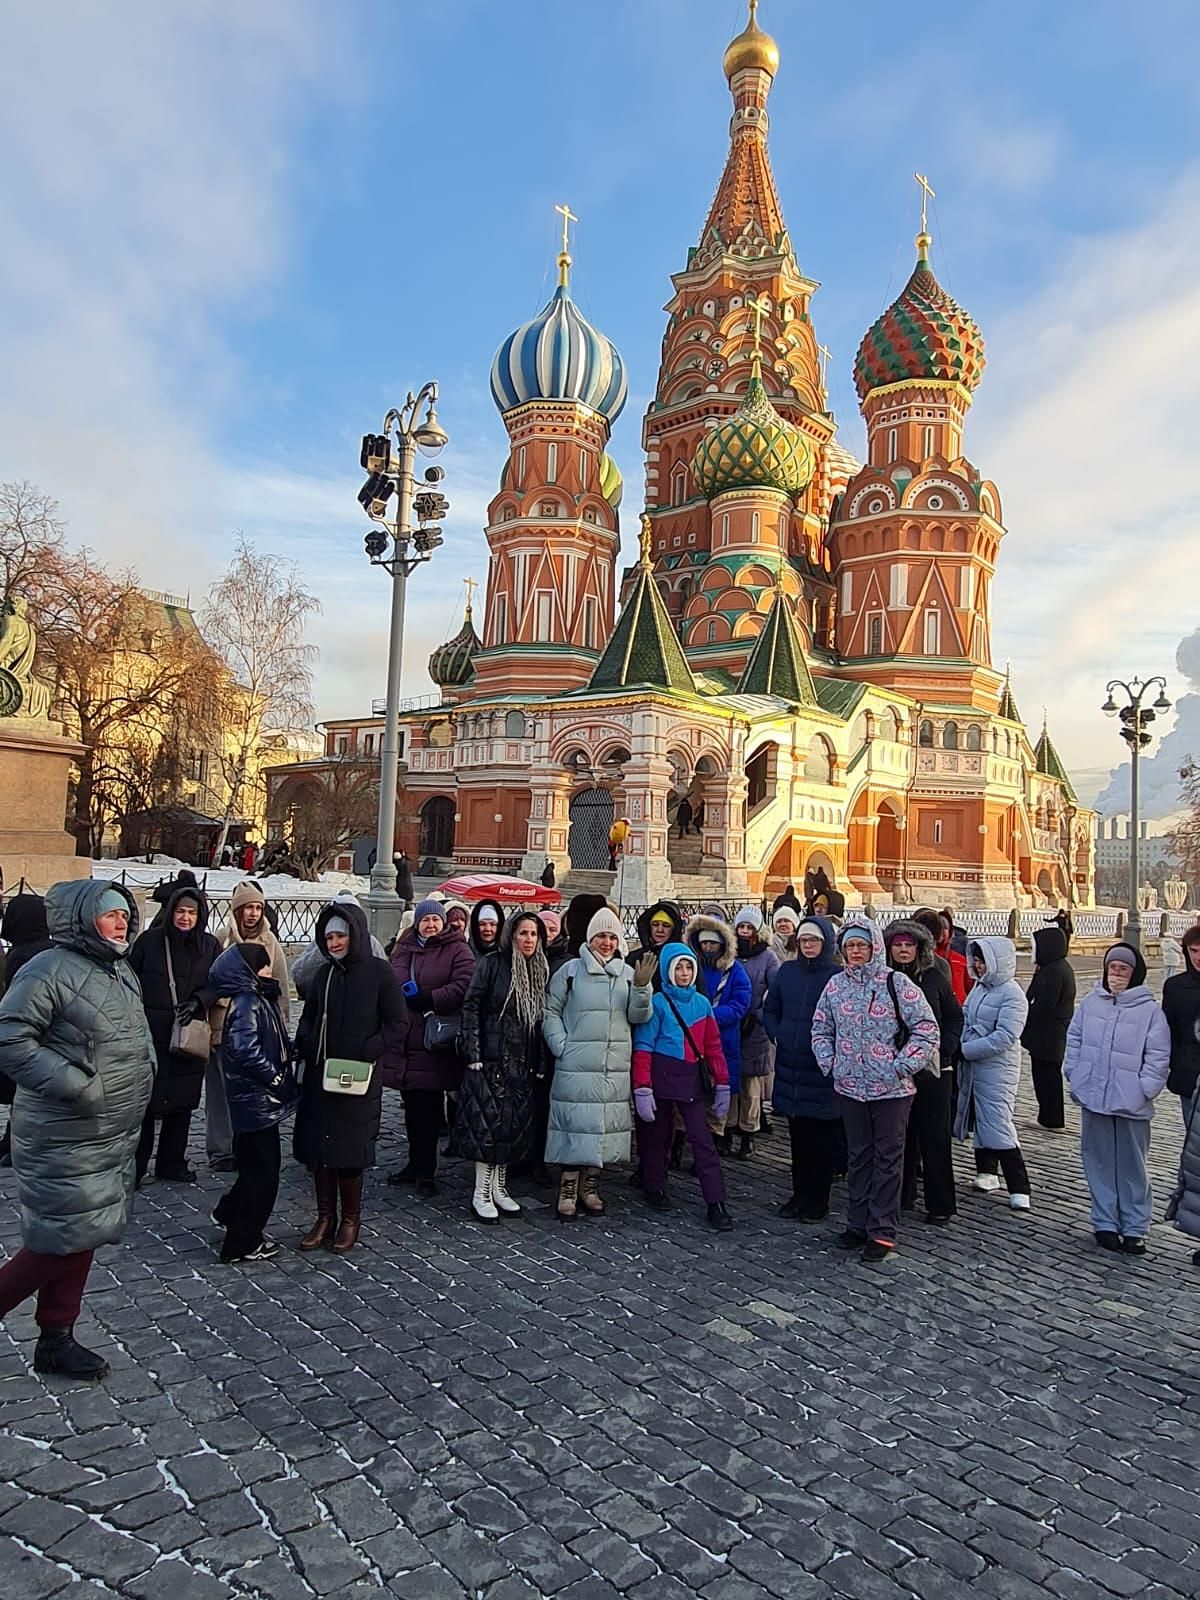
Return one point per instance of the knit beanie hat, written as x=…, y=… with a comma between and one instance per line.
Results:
x=750, y=915
x=245, y=894
x=809, y=930
x=552, y=923
x=1121, y=952
x=785, y=914
x=337, y=925
x=488, y=913
x=429, y=908
x=605, y=921
x=111, y=900
x=712, y=909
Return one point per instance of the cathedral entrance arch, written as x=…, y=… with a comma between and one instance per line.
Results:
x=437, y=827
x=591, y=814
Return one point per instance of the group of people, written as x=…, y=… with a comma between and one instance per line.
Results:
x=532, y=1041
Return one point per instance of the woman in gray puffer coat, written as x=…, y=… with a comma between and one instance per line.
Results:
x=993, y=1021
x=75, y=1041
x=1117, y=1061
x=592, y=1006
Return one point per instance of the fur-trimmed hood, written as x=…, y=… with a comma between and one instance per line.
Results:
x=702, y=924
x=919, y=934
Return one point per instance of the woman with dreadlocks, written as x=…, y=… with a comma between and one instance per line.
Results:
x=503, y=1049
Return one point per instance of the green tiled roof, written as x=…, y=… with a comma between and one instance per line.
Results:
x=839, y=696
x=1008, y=704
x=777, y=664
x=644, y=649
x=1047, y=761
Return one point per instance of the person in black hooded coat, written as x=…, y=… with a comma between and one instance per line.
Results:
x=353, y=1011
x=1051, y=996
x=25, y=933
x=505, y=1055
x=658, y=925
x=1181, y=1007
x=181, y=929
x=928, y=1136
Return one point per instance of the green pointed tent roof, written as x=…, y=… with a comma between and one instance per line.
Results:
x=1008, y=704
x=644, y=648
x=777, y=664
x=1048, y=762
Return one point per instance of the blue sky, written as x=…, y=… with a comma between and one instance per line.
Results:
x=235, y=235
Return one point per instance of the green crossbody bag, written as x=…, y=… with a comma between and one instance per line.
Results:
x=338, y=1074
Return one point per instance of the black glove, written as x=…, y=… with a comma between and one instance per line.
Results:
x=190, y=1010
x=422, y=1001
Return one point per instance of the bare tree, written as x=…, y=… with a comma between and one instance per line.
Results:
x=1185, y=838
x=126, y=680
x=329, y=815
x=254, y=618
x=31, y=536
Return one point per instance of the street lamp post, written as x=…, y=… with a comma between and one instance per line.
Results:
x=390, y=459
x=1135, y=720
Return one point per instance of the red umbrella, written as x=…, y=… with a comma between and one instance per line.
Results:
x=503, y=890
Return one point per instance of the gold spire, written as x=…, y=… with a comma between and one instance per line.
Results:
x=645, y=539
x=924, y=242
x=752, y=48
x=564, y=258
x=470, y=585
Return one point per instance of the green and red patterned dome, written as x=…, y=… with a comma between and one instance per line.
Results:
x=452, y=665
x=923, y=334
x=756, y=448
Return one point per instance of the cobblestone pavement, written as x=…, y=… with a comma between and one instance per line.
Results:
x=635, y=1408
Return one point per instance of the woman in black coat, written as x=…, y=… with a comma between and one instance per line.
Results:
x=353, y=1012
x=910, y=950
x=1051, y=996
x=25, y=933
x=502, y=1046
x=179, y=930
x=1181, y=1007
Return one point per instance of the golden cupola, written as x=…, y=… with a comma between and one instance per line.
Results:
x=752, y=48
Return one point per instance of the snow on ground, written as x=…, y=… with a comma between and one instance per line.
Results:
x=221, y=881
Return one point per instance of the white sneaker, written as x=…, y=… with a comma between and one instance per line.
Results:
x=1019, y=1202
x=985, y=1182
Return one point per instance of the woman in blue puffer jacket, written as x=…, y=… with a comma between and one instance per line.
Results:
x=726, y=983
x=1117, y=1062
x=260, y=1091
x=993, y=1021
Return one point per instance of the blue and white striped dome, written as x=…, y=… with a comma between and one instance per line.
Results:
x=559, y=356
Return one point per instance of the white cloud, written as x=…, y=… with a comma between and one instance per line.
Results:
x=145, y=153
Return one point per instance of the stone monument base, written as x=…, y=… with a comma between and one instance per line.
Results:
x=35, y=765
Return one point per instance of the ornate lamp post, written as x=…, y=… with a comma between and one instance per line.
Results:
x=1135, y=720
x=390, y=458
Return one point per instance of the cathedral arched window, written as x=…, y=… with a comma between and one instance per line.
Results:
x=755, y=526
x=925, y=734
x=950, y=736
x=893, y=444
x=514, y=725
x=679, y=478
x=974, y=737
x=927, y=447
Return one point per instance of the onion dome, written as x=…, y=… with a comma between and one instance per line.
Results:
x=923, y=334
x=560, y=356
x=754, y=449
x=612, y=485
x=452, y=665
x=752, y=48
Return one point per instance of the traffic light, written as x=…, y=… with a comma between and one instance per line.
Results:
x=376, y=453
x=375, y=494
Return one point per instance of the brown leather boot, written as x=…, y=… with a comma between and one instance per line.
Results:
x=350, y=1191
x=321, y=1232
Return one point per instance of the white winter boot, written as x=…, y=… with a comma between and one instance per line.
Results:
x=500, y=1195
x=483, y=1206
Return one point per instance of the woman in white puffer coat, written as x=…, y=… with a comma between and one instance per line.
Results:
x=592, y=1006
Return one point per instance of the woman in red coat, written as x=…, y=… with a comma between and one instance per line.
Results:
x=433, y=965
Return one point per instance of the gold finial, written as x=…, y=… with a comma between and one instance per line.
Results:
x=826, y=356
x=752, y=48
x=928, y=193
x=470, y=585
x=779, y=590
x=645, y=539
x=756, y=359
x=564, y=259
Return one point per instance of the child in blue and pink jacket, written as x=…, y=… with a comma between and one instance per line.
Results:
x=667, y=1077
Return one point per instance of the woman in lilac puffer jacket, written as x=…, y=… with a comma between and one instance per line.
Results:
x=1118, y=1058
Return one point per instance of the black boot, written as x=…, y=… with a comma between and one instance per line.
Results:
x=719, y=1218
x=57, y=1351
x=765, y=1126
x=6, y=1147
x=724, y=1144
x=745, y=1147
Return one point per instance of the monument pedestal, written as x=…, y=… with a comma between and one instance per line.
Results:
x=35, y=764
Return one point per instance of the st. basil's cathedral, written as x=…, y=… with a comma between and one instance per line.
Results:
x=803, y=649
